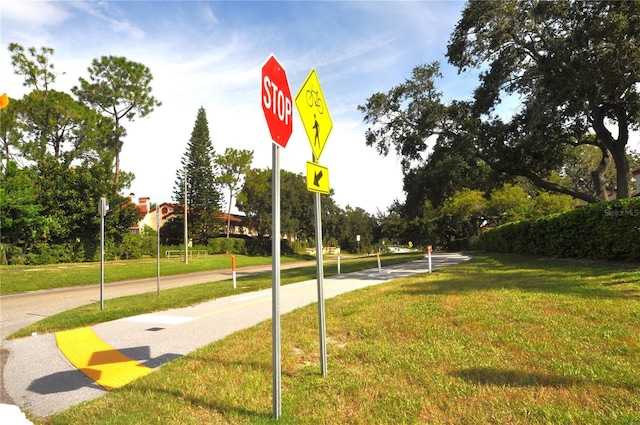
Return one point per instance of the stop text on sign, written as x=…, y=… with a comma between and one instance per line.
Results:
x=275, y=100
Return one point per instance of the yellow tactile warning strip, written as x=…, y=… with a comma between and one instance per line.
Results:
x=98, y=360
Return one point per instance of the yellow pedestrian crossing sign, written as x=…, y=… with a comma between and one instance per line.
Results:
x=317, y=178
x=314, y=113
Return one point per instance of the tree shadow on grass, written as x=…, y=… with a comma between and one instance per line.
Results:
x=502, y=272
x=512, y=378
x=224, y=408
x=210, y=400
x=518, y=378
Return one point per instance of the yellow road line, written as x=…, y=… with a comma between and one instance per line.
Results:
x=98, y=360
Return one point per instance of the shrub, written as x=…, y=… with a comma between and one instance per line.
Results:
x=605, y=231
x=131, y=247
x=149, y=241
x=262, y=247
x=13, y=254
x=44, y=253
x=461, y=244
x=227, y=245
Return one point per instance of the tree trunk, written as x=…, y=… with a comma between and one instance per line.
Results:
x=539, y=181
x=116, y=174
x=597, y=176
x=623, y=170
x=118, y=148
x=617, y=148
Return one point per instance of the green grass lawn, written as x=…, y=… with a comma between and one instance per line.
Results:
x=19, y=279
x=500, y=339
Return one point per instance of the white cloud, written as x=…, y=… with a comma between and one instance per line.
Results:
x=33, y=14
x=104, y=13
x=210, y=54
x=208, y=15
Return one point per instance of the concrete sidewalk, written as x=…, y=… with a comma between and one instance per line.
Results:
x=39, y=378
x=21, y=310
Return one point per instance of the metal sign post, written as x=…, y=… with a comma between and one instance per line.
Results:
x=275, y=279
x=186, y=232
x=103, y=207
x=320, y=276
x=277, y=108
x=158, y=249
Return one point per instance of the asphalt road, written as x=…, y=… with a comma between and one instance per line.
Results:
x=20, y=310
x=38, y=378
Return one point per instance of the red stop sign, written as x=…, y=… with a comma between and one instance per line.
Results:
x=276, y=101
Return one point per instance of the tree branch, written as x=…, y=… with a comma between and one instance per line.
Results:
x=539, y=181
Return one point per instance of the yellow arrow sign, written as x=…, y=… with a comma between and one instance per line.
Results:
x=314, y=113
x=317, y=178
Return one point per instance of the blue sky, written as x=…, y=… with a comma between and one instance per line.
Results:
x=210, y=54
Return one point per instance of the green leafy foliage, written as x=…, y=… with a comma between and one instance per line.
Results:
x=202, y=191
x=357, y=222
x=49, y=212
x=296, y=206
x=121, y=89
x=48, y=205
x=247, y=246
x=233, y=166
x=20, y=212
x=52, y=123
x=227, y=245
x=172, y=232
x=607, y=231
x=255, y=199
x=262, y=247
x=563, y=71
x=575, y=77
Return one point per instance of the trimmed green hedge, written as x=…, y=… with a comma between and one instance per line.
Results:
x=247, y=246
x=227, y=245
x=603, y=231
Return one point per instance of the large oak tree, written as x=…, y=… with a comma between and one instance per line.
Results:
x=571, y=72
x=574, y=66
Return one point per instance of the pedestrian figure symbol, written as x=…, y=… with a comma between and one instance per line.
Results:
x=316, y=127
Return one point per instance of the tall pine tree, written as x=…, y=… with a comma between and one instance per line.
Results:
x=203, y=195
